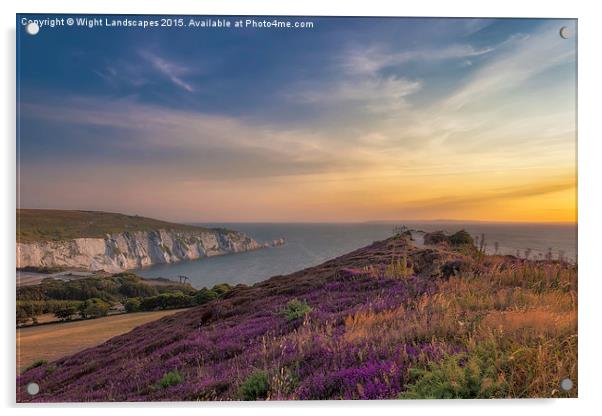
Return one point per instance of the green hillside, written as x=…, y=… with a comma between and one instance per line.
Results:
x=55, y=225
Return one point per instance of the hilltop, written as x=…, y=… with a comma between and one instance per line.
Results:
x=390, y=320
x=35, y=225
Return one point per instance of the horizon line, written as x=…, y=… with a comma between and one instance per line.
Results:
x=385, y=221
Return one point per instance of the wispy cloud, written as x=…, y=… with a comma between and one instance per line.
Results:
x=195, y=143
x=375, y=94
x=372, y=59
x=490, y=122
x=363, y=84
x=122, y=74
x=172, y=71
x=519, y=59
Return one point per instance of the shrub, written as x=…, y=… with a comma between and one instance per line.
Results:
x=66, y=313
x=137, y=289
x=171, y=378
x=221, y=289
x=132, y=305
x=256, y=386
x=22, y=316
x=461, y=238
x=204, y=295
x=295, y=309
x=27, y=310
x=166, y=301
x=36, y=364
x=456, y=267
x=94, y=308
x=436, y=237
x=457, y=377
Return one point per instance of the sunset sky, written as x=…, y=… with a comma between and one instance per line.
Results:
x=353, y=120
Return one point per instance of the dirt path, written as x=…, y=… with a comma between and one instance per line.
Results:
x=51, y=342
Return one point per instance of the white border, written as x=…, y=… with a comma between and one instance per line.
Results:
x=590, y=207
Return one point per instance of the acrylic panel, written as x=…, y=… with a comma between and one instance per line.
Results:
x=295, y=208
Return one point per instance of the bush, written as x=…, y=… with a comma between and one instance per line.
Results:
x=166, y=301
x=457, y=377
x=221, y=289
x=94, y=308
x=461, y=238
x=35, y=364
x=256, y=386
x=109, y=289
x=171, y=378
x=204, y=295
x=23, y=316
x=27, y=310
x=457, y=267
x=436, y=237
x=137, y=289
x=132, y=305
x=66, y=313
x=295, y=309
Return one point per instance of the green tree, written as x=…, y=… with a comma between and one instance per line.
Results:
x=94, y=308
x=65, y=313
x=132, y=305
x=22, y=316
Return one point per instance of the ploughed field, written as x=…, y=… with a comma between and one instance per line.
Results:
x=387, y=321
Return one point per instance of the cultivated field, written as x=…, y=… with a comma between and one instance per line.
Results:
x=50, y=342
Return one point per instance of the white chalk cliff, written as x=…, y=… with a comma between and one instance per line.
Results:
x=129, y=250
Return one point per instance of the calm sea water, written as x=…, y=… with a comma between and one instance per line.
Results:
x=311, y=244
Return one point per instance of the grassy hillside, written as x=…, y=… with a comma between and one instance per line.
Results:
x=51, y=225
x=387, y=321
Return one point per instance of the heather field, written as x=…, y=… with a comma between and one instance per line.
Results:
x=388, y=321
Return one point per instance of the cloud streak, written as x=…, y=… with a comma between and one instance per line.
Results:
x=504, y=194
x=172, y=71
x=373, y=59
x=511, y=68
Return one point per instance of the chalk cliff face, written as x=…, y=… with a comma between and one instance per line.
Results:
x=128, y=250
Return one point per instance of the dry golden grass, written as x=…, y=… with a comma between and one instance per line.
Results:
x=538, y=322
x=53, y=341
x=519, y=321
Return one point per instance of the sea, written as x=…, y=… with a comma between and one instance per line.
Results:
x=311, y=244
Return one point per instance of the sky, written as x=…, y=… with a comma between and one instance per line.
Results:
x=355, y=119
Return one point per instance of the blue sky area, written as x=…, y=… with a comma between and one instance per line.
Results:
x=298, y=121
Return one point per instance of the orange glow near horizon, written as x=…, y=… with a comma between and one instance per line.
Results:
x=349, y=197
